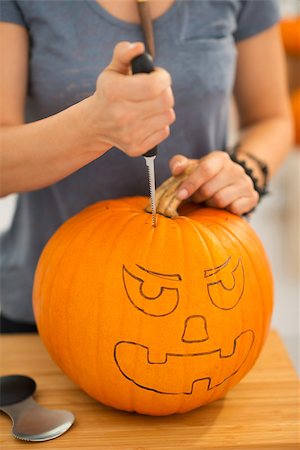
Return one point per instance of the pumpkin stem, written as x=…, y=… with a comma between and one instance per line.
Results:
x=166, y=200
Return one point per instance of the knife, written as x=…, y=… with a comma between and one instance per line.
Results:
x=143, y=64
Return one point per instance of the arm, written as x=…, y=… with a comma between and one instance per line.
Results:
x=132, y=113
x=261, y=95
x=262, y=99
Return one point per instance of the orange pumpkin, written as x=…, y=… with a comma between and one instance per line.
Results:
x=290, y=32
x=153, y=320
x=295, y=104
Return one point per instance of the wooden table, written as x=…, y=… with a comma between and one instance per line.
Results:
x=261, y=413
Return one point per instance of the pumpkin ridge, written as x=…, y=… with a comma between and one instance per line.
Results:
x=100, y=226
x=123, y=324
x=262, y=304
x=66, y=228
x=230, y=234
x=232, y=382
x=48, y=251
x=112, y=216
x=53, y=256
x=93, y=230
x=194, y=226
x=112, y=213
x=198, y=230
x=52, y=291
x=181, y=399
x=147, y=248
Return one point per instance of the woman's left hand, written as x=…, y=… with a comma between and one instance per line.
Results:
x=216, y=181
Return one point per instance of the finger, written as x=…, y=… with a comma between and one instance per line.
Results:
x=135, y=88
x=208, y=167
x=156, y=138
x=123, y=54
x=244, y=204
x=150, y=142
x=141, y=87
x=156, y=124
x=178, y=164
x=158, y=130
x=225, y=183
x=225, y=196
x=150, y=108
x=159, y=121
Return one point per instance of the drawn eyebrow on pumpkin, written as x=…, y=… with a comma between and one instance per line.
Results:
x=167, y=276
x=216, y=269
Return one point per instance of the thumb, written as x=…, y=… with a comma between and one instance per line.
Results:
x=178, y=164
x=123, y=54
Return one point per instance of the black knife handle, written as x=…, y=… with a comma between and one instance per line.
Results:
x=144, y=64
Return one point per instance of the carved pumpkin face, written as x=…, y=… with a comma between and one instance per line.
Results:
x=153, y=320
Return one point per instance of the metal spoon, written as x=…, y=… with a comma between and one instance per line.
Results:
x=31, y=422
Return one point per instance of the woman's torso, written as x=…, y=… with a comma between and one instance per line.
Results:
x=71, y=43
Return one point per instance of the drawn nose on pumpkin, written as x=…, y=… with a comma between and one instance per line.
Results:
x=195, y=329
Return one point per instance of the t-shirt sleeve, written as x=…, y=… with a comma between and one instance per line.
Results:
x=256, y=16
x=10, y=11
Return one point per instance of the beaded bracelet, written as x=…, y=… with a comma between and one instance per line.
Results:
x=262, y=165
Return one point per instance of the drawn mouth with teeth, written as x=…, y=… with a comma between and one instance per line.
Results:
x=179, y=373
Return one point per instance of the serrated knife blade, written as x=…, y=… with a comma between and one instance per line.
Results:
x=143, y=64
x=151, y=176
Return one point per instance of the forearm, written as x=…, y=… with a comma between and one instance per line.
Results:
x=38, y=154
x=133, y=114
x=270, y=140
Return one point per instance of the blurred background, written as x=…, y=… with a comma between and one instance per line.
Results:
x=276, y=221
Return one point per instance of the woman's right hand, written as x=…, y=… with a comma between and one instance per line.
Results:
x=132, y=113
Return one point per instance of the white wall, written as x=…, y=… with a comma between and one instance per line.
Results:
x=277, y=223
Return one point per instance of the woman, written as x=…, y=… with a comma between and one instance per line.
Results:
x=67, y=131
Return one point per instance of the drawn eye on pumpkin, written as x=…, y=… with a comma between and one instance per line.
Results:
x=164, y=296
x=227, y=290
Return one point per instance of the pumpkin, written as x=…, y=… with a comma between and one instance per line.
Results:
x=154, y=320
x=295, y=104
x=290, y=32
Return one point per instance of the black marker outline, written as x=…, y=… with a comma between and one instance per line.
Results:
x=228, y=289
x=185, y=328
x=151, y=299
x=208, y=379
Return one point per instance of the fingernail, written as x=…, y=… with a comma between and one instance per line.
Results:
x=179, y=167
x=131, y=45
x=182, y=194
x=176, y=166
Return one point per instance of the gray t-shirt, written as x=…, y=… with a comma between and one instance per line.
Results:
x=71, y=42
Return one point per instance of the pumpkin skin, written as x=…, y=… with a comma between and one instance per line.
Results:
x=295, y=104
x=153, y=320
x=290, y=32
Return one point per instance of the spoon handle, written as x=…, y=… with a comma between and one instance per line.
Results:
x=32, y=422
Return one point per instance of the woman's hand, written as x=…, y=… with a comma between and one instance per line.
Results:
x=217, y=181
x=132, y=113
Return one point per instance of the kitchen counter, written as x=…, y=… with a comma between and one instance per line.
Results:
x=261, y=412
